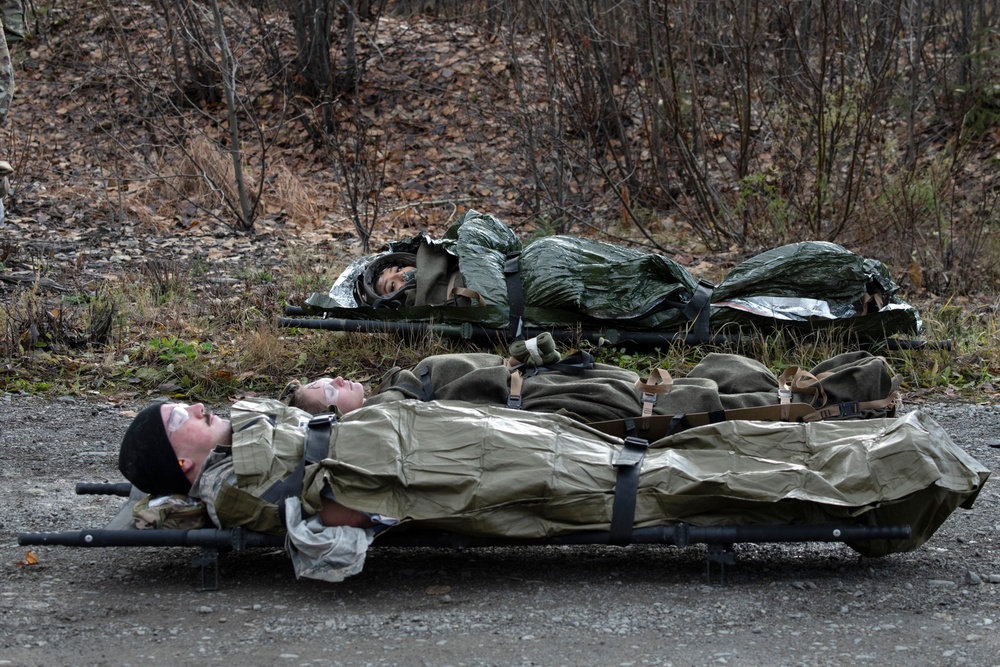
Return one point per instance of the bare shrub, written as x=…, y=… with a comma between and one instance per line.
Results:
x=297, y=198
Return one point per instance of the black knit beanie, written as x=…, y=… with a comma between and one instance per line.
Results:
x=146, y=457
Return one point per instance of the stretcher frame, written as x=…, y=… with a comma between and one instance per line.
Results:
x=214, y=542
x=299, y=318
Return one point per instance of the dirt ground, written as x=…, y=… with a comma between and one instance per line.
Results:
x=812, y=604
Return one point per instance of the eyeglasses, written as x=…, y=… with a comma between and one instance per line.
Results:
x=178, y=415
x=330, y=392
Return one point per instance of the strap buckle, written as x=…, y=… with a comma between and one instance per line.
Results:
x=514, y=402
x=326, y=419
x=632, y=453
x=850, y=409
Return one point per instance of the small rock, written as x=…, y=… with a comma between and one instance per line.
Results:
x=66, y=399
x=972, y=579
x=940, y=583
x=205, y=609
x=994, y=579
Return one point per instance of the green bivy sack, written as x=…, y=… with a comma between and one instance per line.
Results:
x=480, y=273
x=492, y=471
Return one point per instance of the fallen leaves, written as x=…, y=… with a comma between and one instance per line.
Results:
x=29, y=559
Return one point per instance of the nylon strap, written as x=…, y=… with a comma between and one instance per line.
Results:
x=315, y=449
x=628, y=461
x=657, y=426
x=698, y=311
x=796, y=381
x=659, y=382
x=574, y=364
x=514, y=397
x=453, y=292
x=515, y=296
x=426, y=390
x=854, y=408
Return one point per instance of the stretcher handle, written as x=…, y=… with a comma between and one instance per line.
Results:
x=123, y=489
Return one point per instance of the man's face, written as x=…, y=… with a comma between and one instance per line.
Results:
x=391, y=279
x=193, y=431
x=346, y=395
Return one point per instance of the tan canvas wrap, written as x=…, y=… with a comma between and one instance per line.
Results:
x=494, y=471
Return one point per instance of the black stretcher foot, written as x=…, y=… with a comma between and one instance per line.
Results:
x=724, y=555
x=207, y=560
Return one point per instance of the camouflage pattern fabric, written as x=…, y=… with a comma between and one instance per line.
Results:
x=6, y=79
x=14, y=28
x=15, y=22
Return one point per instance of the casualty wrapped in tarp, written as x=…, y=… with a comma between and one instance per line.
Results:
x=486, y=471
x=480, y=273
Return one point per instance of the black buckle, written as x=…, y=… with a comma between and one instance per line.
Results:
x=850, y=409
x=325, y=419
x=632, y=453
x=514, y=402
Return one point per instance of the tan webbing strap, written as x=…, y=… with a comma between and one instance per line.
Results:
x=658, y=382
x=853, y=408
x=657, y=426
x=514, y=397
x=454, y=291
x=785, y=392
x=804, y=382
x=796, y=381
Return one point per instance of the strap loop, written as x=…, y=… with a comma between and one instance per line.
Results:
x=658, y=382
x=628, y=461
x=514, y=397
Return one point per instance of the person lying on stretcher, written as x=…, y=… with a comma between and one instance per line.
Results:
x=167, y=444
x=536, y=379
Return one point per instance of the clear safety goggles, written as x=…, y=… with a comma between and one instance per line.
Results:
x=330, y=392
x=178, y=415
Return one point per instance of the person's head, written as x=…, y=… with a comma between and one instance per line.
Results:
x=387, y=280
x=321, y=395
x=166, y=444
x=392, y=278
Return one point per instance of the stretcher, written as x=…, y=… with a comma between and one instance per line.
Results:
x=460, y=475
x=214, y=543
x=479, y=282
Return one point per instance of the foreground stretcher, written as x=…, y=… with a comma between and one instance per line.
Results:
x=488, y=476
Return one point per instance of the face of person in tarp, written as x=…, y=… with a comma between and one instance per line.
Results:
x=345, y=394
x=194, y=432
x=391, y=279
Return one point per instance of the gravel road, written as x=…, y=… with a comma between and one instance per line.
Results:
x=815, y=604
